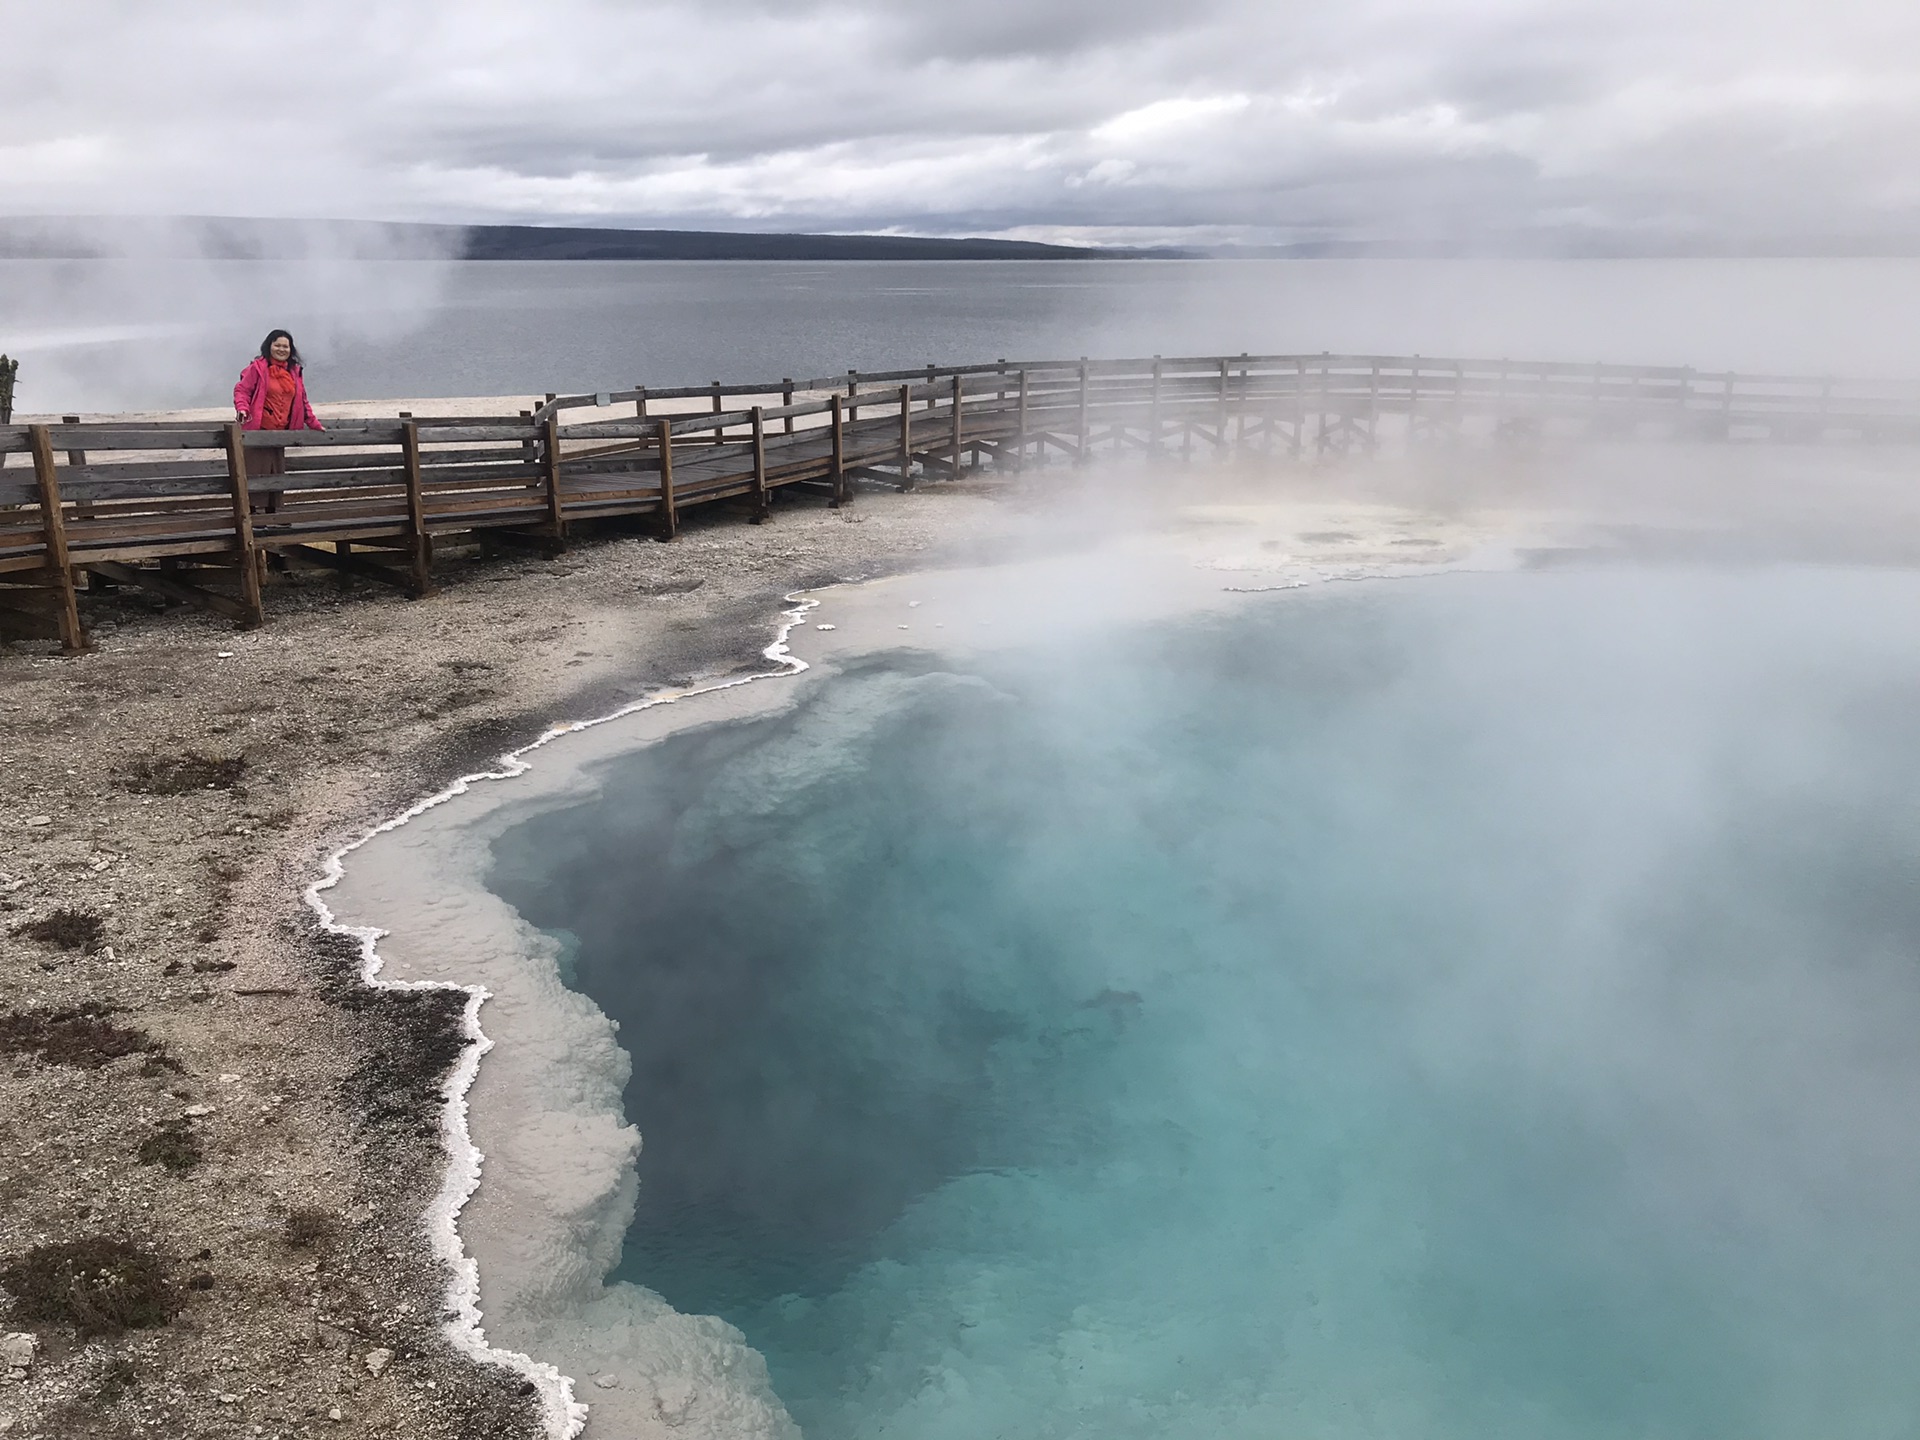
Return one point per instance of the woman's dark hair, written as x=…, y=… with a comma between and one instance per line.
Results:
x=266, y=346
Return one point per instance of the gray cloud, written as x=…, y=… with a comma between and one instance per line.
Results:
x=1709, y=122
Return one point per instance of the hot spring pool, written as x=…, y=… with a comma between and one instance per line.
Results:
x=1480, y=1006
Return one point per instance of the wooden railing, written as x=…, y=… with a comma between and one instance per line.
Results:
x=170, y=506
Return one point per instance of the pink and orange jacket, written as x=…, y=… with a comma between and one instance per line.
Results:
x=250, y=396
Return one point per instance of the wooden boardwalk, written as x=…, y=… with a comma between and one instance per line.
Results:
x=169, y=507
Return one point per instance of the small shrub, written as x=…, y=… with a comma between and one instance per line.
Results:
x=67, y=928
x=116, y=1379
x=309, y=1227
x=173, y=1144
x=99, y=1286
x=178, y=774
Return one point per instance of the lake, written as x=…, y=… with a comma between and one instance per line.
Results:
x=150, y=334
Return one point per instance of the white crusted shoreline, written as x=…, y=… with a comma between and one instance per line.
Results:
x=566, y=1415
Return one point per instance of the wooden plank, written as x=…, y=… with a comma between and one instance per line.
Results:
x=213, y=472
x=174, y=588
x=343, y=560
x=370, y=433
x=125, y=435
x=73, y=638
x=458, y=432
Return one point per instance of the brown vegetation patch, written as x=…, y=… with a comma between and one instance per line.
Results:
x=99, y=1286
x=68, y=928
x=82, y=1036
x=177, y=774
x=414, y=1038
x=309, y=1228
x=173, y=1144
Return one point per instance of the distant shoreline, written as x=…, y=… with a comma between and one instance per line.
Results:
x=202, y=237
x=199, y=237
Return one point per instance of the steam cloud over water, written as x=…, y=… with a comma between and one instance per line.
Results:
x=168, y=313
x=375, y=323
x=1475, y=1006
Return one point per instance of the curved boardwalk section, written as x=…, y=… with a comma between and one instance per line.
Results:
x=170, y=506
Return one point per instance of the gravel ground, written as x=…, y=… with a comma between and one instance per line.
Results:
x=232, y=1138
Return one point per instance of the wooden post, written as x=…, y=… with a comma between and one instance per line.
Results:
x=906, y=437
x=786, y=399
x=53, y=526
x=1220, y=418
x=1246, y=384
x=243, y=527
x=853, y=397
x=1153, y=411
x=669, y=521
x=9, y=373
x=1373, y=409
x=419, y=543
x=761, y=509
x=1020, y=426
x=838, y=464
x=74, y=457
x=1326, y=401
x=77, y=458
x=640, y=403
x=1086, y=432
x=556, y=503
x=958, y=398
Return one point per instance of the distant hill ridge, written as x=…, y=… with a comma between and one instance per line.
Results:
x=81, y=237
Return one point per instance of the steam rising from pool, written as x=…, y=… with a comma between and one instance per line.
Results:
x=1478, y=1006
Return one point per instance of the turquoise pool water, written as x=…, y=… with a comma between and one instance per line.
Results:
x=1465, y=1007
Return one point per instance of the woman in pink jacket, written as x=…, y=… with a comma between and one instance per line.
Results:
x=272, y=395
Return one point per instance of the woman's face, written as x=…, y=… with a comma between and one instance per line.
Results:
x=281, y=348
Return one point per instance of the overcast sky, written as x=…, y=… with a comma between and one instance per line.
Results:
x=1712, y=121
